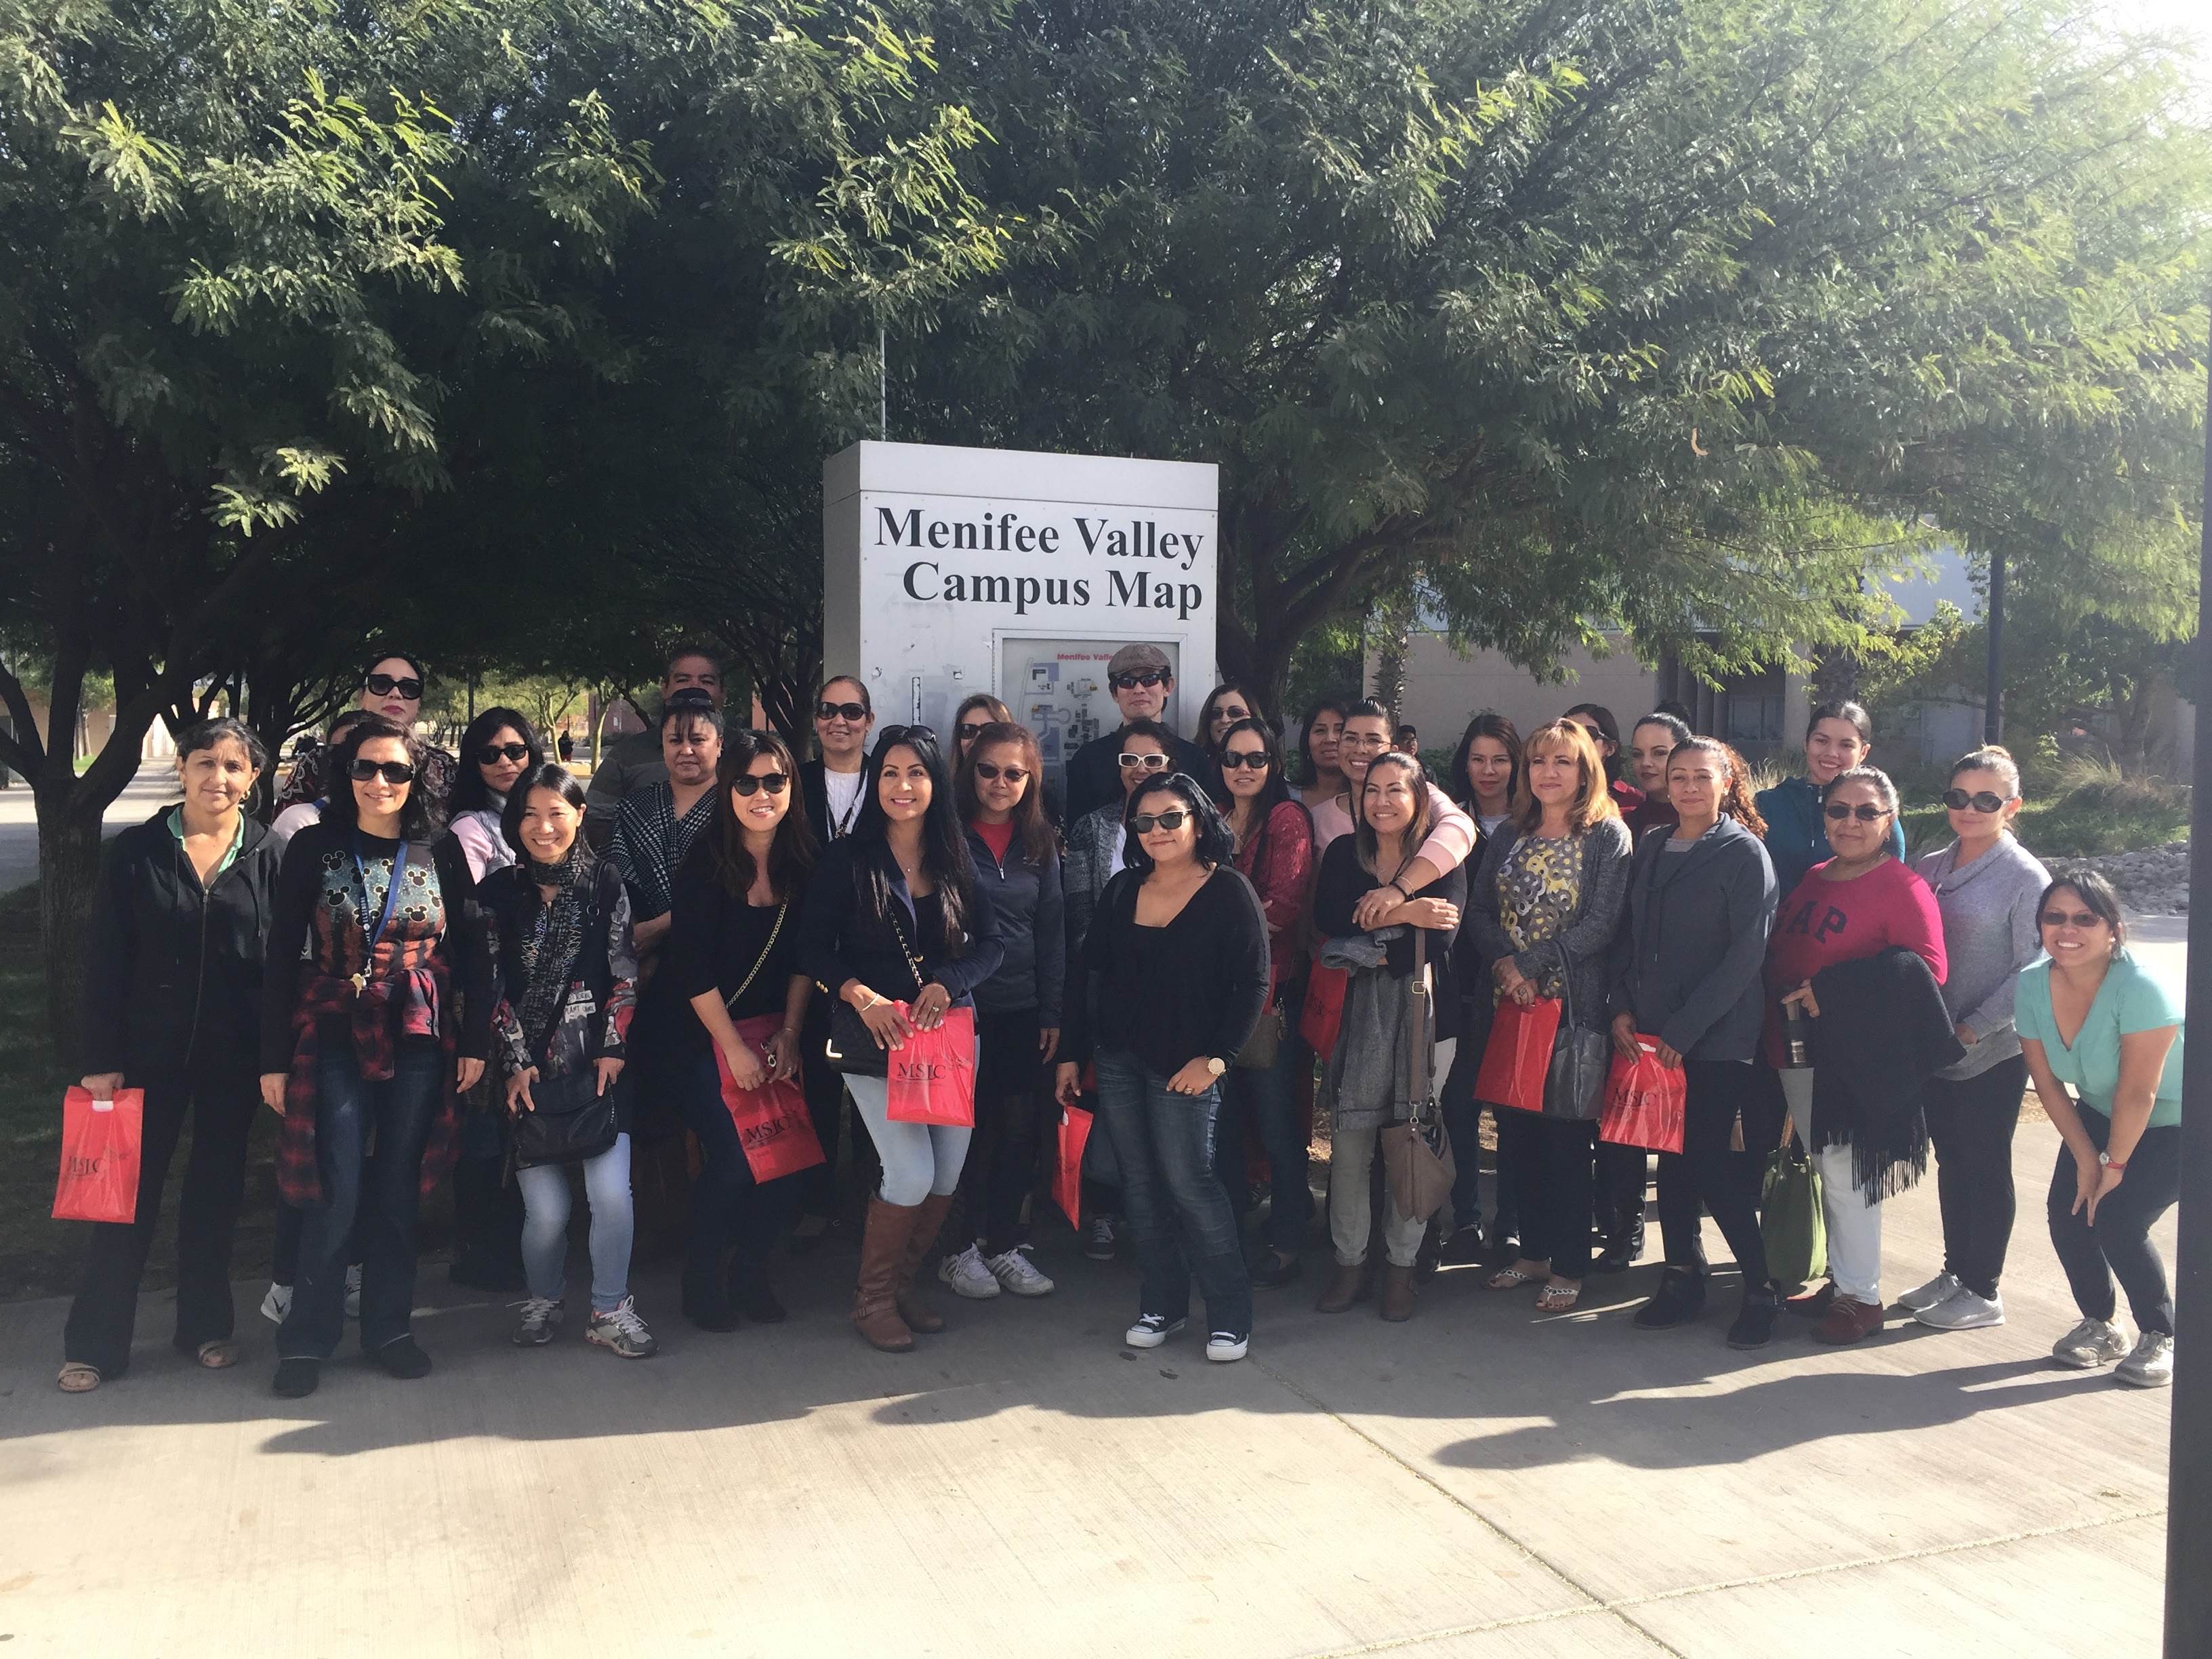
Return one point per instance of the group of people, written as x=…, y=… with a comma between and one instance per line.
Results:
x=475, y=962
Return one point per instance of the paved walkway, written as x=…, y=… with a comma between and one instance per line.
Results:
x=1479, y=1484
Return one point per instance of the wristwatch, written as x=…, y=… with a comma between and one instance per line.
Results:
x=1215, y=1064
x=2112, y=1162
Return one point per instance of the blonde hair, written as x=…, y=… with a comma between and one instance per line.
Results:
x=1592, y=802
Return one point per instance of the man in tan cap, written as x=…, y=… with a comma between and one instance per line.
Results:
x=1141, y=682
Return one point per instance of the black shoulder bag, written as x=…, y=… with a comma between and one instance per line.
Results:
x=572, y=1122
x=851, y=1047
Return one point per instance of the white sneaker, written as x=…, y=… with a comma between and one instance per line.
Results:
x=1223, y=1346
x=1962, y=1311
x=2092, y=1343
x=353, y=1291
x=964, y=1274
x=1934, y=1294
x=1018, y=1273
x=2151, y=1365
x=541, y=1318
x=277, y=1306
x=1151, y=1330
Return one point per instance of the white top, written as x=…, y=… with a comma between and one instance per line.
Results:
x=843, y=789
x=293, y=819
x=484, y=841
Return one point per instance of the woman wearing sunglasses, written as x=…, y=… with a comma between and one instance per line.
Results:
x=499, y=747
x=376, y=943
x=2094, y=1017
x=1861, y=901
x=1179, y=954
x=393, y=688
x=732, y=956
x=1988, y=886
x=1017, y=1009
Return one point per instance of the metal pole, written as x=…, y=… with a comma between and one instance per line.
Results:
x=2189, y=1474
x=1993, y=697
x=883, y=382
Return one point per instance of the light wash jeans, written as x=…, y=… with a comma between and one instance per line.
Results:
x=545, y=1199
x=1854, y=1224
x=918, y=1160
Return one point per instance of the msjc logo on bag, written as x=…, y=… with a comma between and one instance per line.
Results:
x=99, y=1177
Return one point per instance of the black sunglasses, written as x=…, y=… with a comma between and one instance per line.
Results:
x=1149, y=676
x=2074, y=918
x=751, y=783
x=969, y=731
x=832, y=711
x=1982, y=800
x=492, y=753
x=1226, y=713
x=1255, y=758
x=992, y=770
x=383, y=685
x=1864, y=813
x=1173, y=818
x=394, y=771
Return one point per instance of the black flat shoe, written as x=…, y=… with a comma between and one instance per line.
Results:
x=1754, y=1322
x=1504, y=1248
x=296, y=1378
x=710, y=1311
x=403, y=1359
x=750, y=1296
x=1680, y=1299
x=1466, y=1248
x=1275, y=1269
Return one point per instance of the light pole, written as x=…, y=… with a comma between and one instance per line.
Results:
x=1993, y=694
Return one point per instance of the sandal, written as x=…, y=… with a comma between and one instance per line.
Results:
x=77, y=1377
x=1558, y=1299
x=219, y=1355
x=1508, y=1278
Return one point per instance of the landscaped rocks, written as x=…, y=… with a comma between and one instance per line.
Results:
x=2153, y=881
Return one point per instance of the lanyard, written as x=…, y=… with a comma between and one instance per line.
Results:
x=370, y=935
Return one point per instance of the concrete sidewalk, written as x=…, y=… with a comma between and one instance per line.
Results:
x=1480, y=1482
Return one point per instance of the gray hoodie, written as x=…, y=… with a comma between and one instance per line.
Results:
x=1989, y=934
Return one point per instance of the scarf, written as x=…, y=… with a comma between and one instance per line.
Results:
x=549, y=949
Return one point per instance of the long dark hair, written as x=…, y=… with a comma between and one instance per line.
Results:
x=1215, y=844
x=791, y=854
x=1320, y=706
x=943, y=840
x=1488, y=724
x=1735, y=801
x=343, y=810
x=1609, y=729
x=1417, y=829
x=1201, y=737
x=1277, y=788
x=1031, y=827
x=470, y=794
x=543, y=774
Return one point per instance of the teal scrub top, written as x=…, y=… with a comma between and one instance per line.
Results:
x=2131, y=999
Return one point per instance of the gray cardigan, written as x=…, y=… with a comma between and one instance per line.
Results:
x=1687, y=966
x=1989, y=934
x=1582, y=950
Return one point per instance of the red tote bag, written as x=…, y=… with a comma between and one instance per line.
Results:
x=1324, y=1009
x=1643, y=1100
x=931, y=1075
x=1067, y=1179
x=100, y=1156
x=1518, y=1055
x=773, y=1123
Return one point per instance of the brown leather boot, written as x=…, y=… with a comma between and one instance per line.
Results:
x=1346, y=1286
x=1397, y=1293
x=875, y=1300
x=930, y=1215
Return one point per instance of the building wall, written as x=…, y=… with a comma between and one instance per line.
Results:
x=1444, y=690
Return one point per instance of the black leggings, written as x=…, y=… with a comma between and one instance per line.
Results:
x=2120, y=1242
x=1001, y=1166
x=1708, y=1175
x=1971, y=1123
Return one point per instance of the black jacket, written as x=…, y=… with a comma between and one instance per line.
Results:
x=1882, y=1033
x=1688, y=962
x=814, y=796
x=841, y=936
x=1094, y=775
x=173, y=972
x=1032, y=926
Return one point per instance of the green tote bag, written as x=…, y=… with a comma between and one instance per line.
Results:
x=1790, y=1224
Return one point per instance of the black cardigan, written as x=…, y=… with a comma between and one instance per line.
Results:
x=1882, y=1033
x=1199, y=1001
x=842, y=936
x=1343, y=883
x=1688, y=964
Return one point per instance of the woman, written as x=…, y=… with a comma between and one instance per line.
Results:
x=2120, y=1168
x=1273, y=834
x=1320, y=778
x=1651, y=741
x=658, y=823
x=1179, y=954
x=1838, y=736
x=391, y=686
x=499, y=747
x=1369, y=1084
x=896, y=918
x=969, y=720
x=172, y=1004
x=1989, y=889
x=1546, y=904
x=1017, y=1009
x=1701, y=902
x=732, y=956
x=1226, y=704
x=1604, y=730
x=558, y=928
x=1859, y=902
x=1485, y=770
x=376, y=927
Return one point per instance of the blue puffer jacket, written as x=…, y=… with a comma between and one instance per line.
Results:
x=1797, y=838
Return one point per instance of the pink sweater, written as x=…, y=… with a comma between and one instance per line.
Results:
x=1825, y=922
x=1448, y=844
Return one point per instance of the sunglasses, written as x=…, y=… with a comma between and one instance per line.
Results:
x=1255, y=758
x=841, y=711
x=1983, y=801
x=1149, y=762
x=2071, y=919
x=1230, y=712
x=969, y=731
x=991, y=771
x=493, y=753
x=1144, y=823
x=383, y=685
x=1149, y=676
x=1836, y=811
x=394, y=771
x=753, y=782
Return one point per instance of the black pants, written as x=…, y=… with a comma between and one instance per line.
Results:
x=1971, y=1123
x=221, y=1105
x=728, y=1206
x=824, y=1087
x=2120, y=1242
x=1705, y=1175
x=1617, y=1199
x=1553, y=1163
x=1002, y=1159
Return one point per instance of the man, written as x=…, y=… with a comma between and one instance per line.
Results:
x=1141, y=683
x=830, y=787
x=634, y=763
x=1407, y=741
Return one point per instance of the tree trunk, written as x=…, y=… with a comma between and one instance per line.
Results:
x=68, y=876
x=1393, y=642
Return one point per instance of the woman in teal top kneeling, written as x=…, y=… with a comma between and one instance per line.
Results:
x=2093, y=1017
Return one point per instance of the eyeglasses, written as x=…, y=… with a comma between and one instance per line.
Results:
x=2071, y=919
x=383, y=685
x=1363, y=740
x=394, y=771
x=1229, y=711
x=841, y=711
x=969, y=731
x=493, y=753
x=1255, y=758
x=1144, y=823
x=753, y=782
x=1981, y=800
x=1147, y=676
x=993, y=772
x=1149, y=762
x=1836, y=811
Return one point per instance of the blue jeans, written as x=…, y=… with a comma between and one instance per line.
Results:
x=382, y=1188
x=546, y=1201
x=1269, y=1101
x=1178, y=1213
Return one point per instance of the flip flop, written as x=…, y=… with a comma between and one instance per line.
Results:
x=77, y=1377
x=219, y=1355
x=1508, y=1278
x=1558, y=1299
